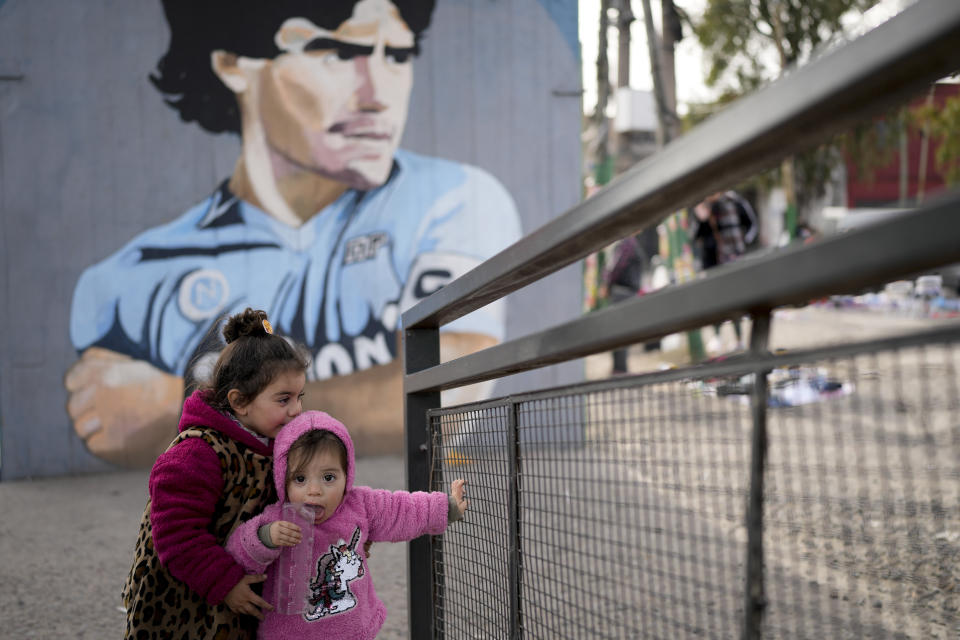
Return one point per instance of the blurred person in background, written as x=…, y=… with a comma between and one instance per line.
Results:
x=724, y=225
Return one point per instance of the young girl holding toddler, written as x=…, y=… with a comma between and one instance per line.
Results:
x=314, y=466
x=214, y=475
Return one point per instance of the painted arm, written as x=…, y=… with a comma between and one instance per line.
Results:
x=371, y=401
x=125, y=410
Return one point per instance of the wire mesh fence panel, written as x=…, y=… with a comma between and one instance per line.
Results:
x=862, y=501
x=629, y=516
x=471, y=566
x=630, y=534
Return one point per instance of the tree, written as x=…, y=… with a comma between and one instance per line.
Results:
x=750, y=42
x=943, y=125
x=738, y=36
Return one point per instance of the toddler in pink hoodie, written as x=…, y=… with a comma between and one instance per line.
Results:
x=314, y=465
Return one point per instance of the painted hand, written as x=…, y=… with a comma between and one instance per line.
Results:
x=124, y=409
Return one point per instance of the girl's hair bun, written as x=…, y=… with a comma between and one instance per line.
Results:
x=247, y=323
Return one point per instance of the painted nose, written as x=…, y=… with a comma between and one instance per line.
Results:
x=368, y=98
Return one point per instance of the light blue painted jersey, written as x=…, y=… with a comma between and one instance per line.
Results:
x=337, y=284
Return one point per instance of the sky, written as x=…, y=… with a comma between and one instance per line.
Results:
x=690, y=68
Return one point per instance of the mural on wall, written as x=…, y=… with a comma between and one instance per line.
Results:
x=326, y=223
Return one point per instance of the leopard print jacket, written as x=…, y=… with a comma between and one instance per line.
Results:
x=160, y=607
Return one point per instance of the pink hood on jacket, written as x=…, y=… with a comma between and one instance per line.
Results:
x=308, y=421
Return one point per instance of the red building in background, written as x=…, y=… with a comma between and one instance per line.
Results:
x=884, y=188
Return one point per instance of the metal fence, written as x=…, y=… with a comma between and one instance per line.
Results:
x=636, y=527
x=709, y=501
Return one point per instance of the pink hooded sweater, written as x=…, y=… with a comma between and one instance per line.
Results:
x=364, y=514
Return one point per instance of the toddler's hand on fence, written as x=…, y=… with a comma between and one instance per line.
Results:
x=284, y=534
x=458, y=489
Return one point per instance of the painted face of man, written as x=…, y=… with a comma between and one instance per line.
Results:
x=335, y=102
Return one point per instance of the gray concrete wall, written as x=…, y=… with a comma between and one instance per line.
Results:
x=90, y=156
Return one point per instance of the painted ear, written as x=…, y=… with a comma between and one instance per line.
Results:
x=237, y=404
x=228, y=68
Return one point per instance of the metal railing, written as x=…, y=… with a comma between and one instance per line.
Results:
x=660, y=505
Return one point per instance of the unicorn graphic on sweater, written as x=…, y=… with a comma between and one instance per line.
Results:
x=329, y=590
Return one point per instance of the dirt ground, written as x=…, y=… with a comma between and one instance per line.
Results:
x=800, y=328
x=66, y=543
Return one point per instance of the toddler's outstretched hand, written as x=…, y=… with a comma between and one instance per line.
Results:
x=458, y=490
x=284, y=534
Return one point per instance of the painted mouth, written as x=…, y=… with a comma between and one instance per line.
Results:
x=360, y=131
x=364, y=135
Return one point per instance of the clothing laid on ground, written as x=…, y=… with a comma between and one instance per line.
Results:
x=337, y=284
x=213, y=476
x=343, y=603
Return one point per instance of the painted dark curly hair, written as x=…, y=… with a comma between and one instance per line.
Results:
x=244, y=27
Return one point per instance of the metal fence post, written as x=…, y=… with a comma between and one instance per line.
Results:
x=421, y=351
x=754, y=597
x=513, y=505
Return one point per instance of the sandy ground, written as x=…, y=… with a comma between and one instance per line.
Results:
x=66, y=543
x=800, y=328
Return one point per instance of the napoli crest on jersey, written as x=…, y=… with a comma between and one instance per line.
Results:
x=203, y=294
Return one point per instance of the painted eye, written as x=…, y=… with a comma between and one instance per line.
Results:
x=398, y=57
